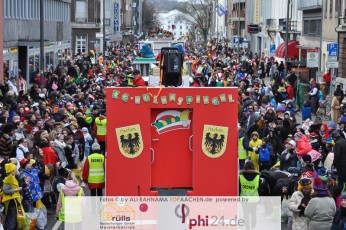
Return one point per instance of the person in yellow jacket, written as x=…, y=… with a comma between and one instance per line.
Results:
x=94, y=171
x=249, y=184
x=100, y=131
x=71, y=210
x=255, y=144
x=11, y=199
x=242, y=154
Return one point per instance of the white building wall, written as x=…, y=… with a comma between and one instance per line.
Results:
x=273, y=9
x=167, y=19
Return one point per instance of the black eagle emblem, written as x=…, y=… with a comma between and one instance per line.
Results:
x=214, y=144
x=130, y=144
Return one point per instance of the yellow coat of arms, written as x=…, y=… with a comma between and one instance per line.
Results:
x=130, y=140
x=214, y=140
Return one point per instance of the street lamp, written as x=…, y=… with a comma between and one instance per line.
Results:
x=238, y=48
x=286, y=37
x=104, y=28
x=217, y=22
x=42, y=43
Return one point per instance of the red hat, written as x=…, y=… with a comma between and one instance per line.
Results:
x=308, y=174
x=27, y=110
x=313, y=135
x=24, y=162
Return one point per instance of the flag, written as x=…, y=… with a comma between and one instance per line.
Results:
x=221, y=10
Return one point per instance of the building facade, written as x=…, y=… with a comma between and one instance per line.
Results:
x=21, y=35
x=341, y=30
x=90, y=20
x=86, y=23
x=270, y=16
x=131, y=18
x=329, y=35
x=236, y=18
x=173, y=18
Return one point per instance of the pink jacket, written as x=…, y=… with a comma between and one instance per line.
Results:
x=70, y=188
x=314, y=155
x=303, y=146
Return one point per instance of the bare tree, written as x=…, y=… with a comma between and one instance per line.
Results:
x=200, y=13
x=150, y=18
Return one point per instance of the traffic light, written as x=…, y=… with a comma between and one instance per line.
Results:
x=284, y=24
x=253, y=29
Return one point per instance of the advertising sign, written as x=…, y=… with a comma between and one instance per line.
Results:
x=312, y=58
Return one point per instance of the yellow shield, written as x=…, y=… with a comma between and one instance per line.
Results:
x=214, y=140
x=130, y=140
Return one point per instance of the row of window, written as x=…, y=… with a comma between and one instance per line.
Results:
x=181, y=27
x=312, y=27
x=81, y=44
x=333, y=6
x=176, y=22
x=54, y=10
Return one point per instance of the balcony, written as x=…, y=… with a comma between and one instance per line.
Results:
x=292, y=26
x=270, y=24
x=308, y=5
x=238, y=1
x=81, y=20
x=236, y=15
x=79, y=24
x=342, y=25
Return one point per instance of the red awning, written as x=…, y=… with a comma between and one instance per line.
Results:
x=293, y=51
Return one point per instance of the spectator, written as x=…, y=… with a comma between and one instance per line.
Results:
x=288, y=158
x=94, y=171
x=20, y=132
x=321, y=208
x=70, y=189
x=71, y=152
x=303, y=145
x=78, y=138
x=336, y=107
x=7, y=140
x=327, y=77
x=32, y=191
x=255, y=144
x=339, y=221
x=249, y=183
x=59, y=148
x=22, y=150
x=100, y=131
x=138, y=80
x=340, y=158
x=49, y=155
x=88, y=140
x=298, y=203
x=11, y=197
x=313, y=96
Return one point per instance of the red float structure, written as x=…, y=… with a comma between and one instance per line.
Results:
x=172, y=138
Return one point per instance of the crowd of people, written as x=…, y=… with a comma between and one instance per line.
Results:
x=50, y=134
x=303, y=162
